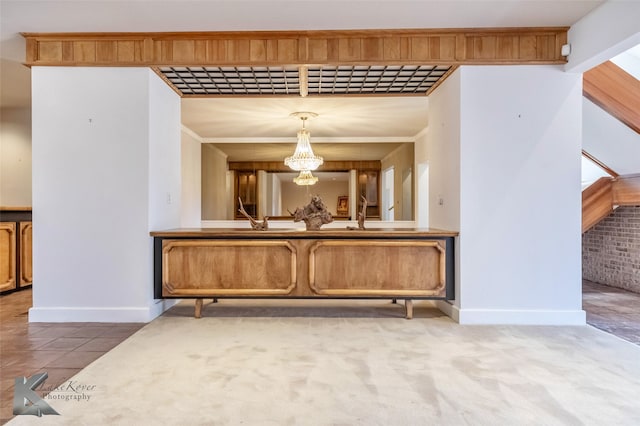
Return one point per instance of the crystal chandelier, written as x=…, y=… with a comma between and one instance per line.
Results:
x=303, y=159
x=305, y=178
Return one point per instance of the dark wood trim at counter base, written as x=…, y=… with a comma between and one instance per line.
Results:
x=289, y=263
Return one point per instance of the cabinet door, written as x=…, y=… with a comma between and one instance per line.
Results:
x=7, y=256
x=26, y=256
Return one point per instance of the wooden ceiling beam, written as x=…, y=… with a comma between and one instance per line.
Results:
x=294, y=48
x=615, y=91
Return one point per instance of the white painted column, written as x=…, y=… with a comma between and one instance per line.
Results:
x=353, y=194
x=106, y=171
x=261, y=194
x=607, y=31
x=520, y=196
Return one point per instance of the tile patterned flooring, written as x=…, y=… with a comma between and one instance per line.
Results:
x=64, y=349
x=60, y=349
x=613, y=310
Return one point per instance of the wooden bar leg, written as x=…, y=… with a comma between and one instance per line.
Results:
x=394, y=300
x=198, y=308
x=215, y=300
x=408, y=306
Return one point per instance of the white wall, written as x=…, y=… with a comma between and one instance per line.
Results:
x=438, y=166
x=604, y=33
x=216, y=195
x=609, y=140
x=165, y=165
x=402, y=160
x=105, y=155
x=15, y=157
x=520, y=215
x=191, y=164
x=275, y=201
x=442, y=151
x=629, y=61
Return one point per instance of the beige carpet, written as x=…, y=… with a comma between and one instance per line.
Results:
x=346, y=363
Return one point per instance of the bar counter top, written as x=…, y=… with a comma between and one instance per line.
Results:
x=302, y=233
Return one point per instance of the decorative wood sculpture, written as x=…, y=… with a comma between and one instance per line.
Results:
x=258, y=226
x=314, y=214
x=361, y=215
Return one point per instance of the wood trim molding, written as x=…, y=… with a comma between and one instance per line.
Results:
x=599, y=199
x=479, y=46
x=215, y=265
x=327, y=166
x=600, y=164
x=26, y=253
x=7, y=256
x=626, y=190
x=597, y=202
x=418, y=284
x=615, y=91
x=15, y=209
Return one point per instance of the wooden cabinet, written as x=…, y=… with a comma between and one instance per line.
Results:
x=7, y=256
x=26, y=253
x=333, y=263
x=16, y=265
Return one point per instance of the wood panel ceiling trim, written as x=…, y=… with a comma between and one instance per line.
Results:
x=409, y=47
x=615, y=91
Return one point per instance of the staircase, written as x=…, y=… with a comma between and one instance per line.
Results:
x=617, y=92
x=604, y=195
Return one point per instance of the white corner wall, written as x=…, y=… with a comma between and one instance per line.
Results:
x=15, y=157
x=216, y=195
x=443, y=155
x=520, y=214
x=609, y=140
x=607, y=31
x=441, y=151
x=106, y=153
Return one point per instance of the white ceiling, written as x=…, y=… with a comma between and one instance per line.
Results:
x=350, y=119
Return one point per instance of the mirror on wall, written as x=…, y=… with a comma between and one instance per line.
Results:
x=283, y=195
x=266, y=187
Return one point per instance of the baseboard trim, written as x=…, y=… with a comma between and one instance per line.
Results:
x=517, y=317
x=118, y=314
x=448, y=309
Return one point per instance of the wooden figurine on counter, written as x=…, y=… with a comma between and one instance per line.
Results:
x=361, y=216
x=314, y=214
x=257, y=226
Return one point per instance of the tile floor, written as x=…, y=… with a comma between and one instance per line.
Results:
x=64, y=349
x=613, y=310
x=59, y=349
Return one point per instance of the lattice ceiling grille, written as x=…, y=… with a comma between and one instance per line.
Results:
x=374, y=79
x=324, y=80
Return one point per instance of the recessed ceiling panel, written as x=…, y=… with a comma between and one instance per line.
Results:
x=322, y=80
x=233, y=80
x=376, y=80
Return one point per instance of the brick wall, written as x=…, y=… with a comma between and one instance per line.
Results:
x=611, y=250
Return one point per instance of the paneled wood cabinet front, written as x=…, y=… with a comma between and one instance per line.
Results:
x=16, y=236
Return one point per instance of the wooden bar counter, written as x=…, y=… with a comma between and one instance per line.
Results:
x=290, y=263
